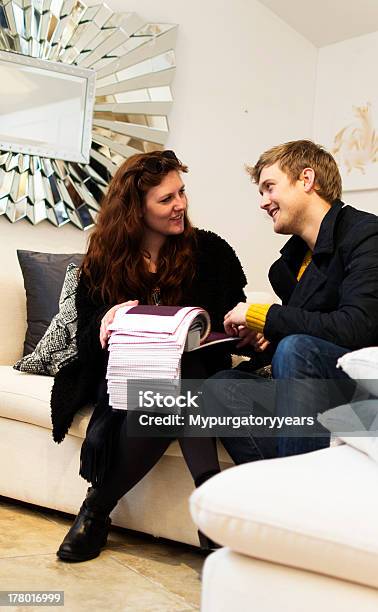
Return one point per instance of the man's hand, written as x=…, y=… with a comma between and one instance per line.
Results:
x=252, y=338
x=234, y=318
x=108, y=318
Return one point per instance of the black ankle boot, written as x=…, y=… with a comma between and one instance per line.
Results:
x=206, y=544
x=88, y=533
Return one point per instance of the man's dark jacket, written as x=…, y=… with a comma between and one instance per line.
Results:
x=337, y=296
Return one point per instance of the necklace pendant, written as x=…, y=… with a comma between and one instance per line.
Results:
x=156, y=296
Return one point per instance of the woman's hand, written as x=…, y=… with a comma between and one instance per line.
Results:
x=108, y=318
x=234, y=318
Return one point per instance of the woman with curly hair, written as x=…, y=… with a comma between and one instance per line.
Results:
x=143, y=250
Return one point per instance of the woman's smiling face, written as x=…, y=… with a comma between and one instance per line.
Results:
x=165, y=205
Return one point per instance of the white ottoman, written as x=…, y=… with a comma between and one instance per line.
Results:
x=301, y=532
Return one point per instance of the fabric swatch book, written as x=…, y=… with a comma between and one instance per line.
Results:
x=147, y=342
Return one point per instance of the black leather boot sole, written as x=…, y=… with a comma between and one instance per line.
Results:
x=206, y=544
x=69, y=557
x=73, y=556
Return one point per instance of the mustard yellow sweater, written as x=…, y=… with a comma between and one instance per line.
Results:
x=256, y=313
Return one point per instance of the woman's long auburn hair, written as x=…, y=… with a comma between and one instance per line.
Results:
x=115, y=265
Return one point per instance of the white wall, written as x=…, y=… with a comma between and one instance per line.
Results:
x=245, y=81
x=345, y=78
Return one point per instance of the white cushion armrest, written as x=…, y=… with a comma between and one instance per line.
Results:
x=316, y=511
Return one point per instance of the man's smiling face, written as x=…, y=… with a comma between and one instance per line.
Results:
x=282, y=199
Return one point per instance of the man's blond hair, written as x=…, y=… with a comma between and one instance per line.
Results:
x=293, y=157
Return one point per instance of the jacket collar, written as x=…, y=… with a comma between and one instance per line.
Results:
x=325, y=239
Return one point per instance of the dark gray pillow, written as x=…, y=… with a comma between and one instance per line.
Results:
x=43, y=281
x=58, y=346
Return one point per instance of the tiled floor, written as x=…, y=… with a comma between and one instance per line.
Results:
x=134, y=573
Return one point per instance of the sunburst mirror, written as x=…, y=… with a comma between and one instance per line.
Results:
x=85, y=88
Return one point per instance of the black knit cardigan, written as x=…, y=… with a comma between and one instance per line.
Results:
x=218, y=286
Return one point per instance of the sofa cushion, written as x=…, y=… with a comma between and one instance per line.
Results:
x=362, y=365
x=26, y=397
x=242, y=584
x=43, y=280
x=316, y=512
x=58, y=346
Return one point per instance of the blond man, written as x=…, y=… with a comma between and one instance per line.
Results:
x=326, y=277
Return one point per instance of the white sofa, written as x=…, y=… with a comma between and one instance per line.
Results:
x=34, y=468
x=299, y=533
x=38, y=471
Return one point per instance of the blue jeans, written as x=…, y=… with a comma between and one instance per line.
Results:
x=306, y=368
x=306, y=381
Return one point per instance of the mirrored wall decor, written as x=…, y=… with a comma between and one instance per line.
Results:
x=46, y=108
x=83, y=89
